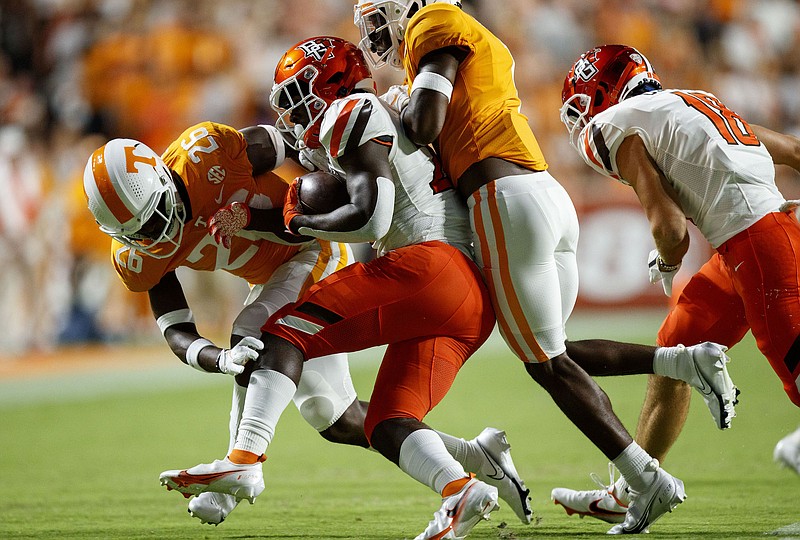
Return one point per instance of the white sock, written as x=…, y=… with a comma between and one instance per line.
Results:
x=621, y=490
x=268, y=394
x=462, y=451
x=424, y=458
x=665, y=361
x=237, y=405
x=632, y=465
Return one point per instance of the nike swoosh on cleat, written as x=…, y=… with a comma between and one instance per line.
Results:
x=441, y=534
x=705, y=389
x=185, y=479
x=594, y=507
x=498, y=473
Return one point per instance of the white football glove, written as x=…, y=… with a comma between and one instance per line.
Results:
x=232, y=361
x=313, y=160
x=657, y=274
x=396, y=97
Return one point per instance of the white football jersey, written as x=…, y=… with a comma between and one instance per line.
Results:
x=426, y=207
x=723, y=175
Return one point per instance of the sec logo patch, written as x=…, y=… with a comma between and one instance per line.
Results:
x=216, y=174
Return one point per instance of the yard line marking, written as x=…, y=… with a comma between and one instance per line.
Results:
x=789, y=531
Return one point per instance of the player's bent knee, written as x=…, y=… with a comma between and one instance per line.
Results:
x=319, y=412
x=349, y=428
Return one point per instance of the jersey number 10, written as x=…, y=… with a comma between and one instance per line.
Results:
x=729, y=124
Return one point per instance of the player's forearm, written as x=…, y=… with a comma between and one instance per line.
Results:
x=270, y=220
x=353, y=223
x=784, y=149
x=191, y=348
x=672, y=242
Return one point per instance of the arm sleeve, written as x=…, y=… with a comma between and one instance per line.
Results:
x=599, y=142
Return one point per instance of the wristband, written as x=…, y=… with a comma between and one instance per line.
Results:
x=433, y=81
x=664, y=267
x=174, y=317
x=193, y=351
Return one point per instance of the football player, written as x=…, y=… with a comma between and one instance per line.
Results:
x=463, y=99
x=688, y=156
x=422, y=296
x=157, y=209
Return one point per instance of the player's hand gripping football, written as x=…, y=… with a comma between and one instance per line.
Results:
x=661, y=272
x=291, y=204
x=232, y=361
x=227, y=221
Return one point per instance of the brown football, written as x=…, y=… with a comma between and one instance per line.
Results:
x=320, y=192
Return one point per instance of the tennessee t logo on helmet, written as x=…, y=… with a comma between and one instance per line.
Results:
x=130, y=192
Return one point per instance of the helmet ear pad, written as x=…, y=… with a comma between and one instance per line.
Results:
x=600, y=95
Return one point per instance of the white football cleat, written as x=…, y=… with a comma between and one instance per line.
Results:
x=461, y=511
x=221, y=476
x=608, y=504
x=662, y=496
x=710, y=377
x=787, y=451
x=212, y=508
x=498, y=470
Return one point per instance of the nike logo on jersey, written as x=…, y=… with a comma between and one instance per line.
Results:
x=218, y=199
x=735, y=268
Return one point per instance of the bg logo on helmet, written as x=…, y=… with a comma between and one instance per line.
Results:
x=315, y=49
x=585, y=68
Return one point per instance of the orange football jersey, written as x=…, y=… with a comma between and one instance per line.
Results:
x=212, y=161
x=483, y=118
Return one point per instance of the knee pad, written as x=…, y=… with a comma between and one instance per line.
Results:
x=319, y=412
x=323, y=395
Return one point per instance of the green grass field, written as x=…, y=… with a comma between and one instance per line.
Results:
x=80, y=455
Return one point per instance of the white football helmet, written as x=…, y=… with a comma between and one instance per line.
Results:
x=130, y=192
x=382, y=24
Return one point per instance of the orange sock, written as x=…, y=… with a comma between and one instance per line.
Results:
x=455, y=486
x=243, y=457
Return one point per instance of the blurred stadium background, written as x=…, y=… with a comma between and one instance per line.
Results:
x=74, y=73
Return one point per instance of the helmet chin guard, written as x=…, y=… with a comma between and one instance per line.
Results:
x=130, y=191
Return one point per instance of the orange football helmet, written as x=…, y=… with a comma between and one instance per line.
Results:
x=309, y=77
x=602, y=77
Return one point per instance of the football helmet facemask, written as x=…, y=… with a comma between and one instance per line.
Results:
x=310, y=76
x=382, y=24
x=602, y=77
x=130, y=191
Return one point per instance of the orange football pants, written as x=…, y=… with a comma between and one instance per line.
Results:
x=751, y=283
x=427, y=302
